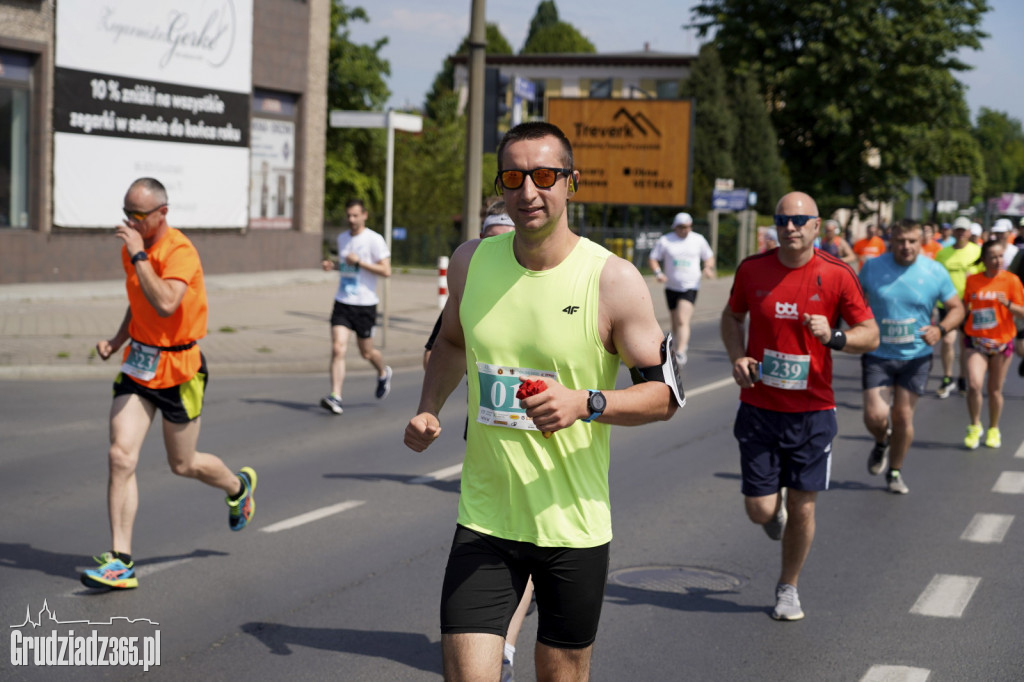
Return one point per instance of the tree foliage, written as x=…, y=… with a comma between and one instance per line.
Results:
x=546, y=15
x=559, y=37
x=354, y=164
x=716, y=125
x=845, y=78
x=439, y=104
x=755, y=154
x=1001, y=143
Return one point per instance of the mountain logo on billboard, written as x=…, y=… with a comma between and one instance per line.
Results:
x=209, y=37
x=639, y=121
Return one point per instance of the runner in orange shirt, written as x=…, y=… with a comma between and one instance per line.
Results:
x=162, y=369
x=992, y=298
x=870, y=247
x=929, y=245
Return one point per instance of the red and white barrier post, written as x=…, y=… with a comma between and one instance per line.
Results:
x=442, y=281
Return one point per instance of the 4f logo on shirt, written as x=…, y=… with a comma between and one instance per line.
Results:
x=570, y=309
x=786, y=311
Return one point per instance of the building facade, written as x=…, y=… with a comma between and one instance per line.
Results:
x=223, y=102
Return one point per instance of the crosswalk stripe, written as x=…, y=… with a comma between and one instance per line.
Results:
x=946, y=596
x=314, y=515
x=1020, y=451
x=895, y=673
x=988, y=528
x=1011, y=482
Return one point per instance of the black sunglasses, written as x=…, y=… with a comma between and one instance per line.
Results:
x=542, y=177
x=781, y=219
x=139, y=216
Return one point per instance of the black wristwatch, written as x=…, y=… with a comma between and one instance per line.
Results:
x=596, y=403
x=141, y=255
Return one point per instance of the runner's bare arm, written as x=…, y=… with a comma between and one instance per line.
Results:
x=630, y=329
x=108, y=347
x=732, y=339
x=447, y=363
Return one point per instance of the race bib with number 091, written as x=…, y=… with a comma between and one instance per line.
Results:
x=498, y=403
x=899, y=331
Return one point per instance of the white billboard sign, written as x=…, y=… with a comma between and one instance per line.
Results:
x=158, y=88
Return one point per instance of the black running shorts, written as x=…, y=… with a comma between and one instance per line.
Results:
x=486, y=577
x=672, y=297
x=358, y=318
x=179, y=404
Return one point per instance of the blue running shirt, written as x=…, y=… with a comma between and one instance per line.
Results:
x=902, y=298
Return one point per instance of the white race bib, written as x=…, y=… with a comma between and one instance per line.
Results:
x=498, y=403
x=785, y=371
x=984, y=318
x=142, y=361
x=899, y=331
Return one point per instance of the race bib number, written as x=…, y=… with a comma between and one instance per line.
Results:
x=984, y=318
x=684, y=263
x=498, y=403
x=785, y=371
x=142, y=361
x=349, y=278
x=899, y=331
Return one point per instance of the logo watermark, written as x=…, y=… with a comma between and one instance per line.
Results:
x=63, y=646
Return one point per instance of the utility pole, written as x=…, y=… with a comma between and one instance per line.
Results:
x=475, y=120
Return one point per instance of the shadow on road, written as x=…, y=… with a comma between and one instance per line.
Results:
x=24, y=556
x=407, y=648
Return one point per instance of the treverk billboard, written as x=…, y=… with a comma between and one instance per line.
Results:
x=629, y=151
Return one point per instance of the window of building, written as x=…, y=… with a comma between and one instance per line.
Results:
x=15, y=81
x=668, y=89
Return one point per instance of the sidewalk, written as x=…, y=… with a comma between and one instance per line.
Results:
x=260, y=323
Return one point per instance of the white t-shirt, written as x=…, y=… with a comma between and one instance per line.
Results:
x=681, y=259
x=358, y=286
x=1008, y=255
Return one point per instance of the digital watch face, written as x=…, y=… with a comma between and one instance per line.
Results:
x=597, y=402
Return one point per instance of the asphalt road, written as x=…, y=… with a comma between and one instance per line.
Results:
x=339, y=575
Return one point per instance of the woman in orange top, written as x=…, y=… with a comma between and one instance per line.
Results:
x=992, y=298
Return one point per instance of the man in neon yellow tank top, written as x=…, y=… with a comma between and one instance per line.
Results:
x=539, y=302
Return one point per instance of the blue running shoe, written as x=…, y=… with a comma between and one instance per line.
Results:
x=111, y=572
x=240, y=511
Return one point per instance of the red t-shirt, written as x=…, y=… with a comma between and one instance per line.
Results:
x=796, y=367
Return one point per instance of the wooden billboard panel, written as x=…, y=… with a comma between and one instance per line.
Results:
x=629, y=151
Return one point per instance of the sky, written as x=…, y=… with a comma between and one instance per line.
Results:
x=421, y=34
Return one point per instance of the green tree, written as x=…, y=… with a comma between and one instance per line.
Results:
x=559, y=38
x=354, y=164
x=716, y=128
x=755, y=153
x=1001, y=142
x=439, y=102
x=546, y=15
x=845, y=78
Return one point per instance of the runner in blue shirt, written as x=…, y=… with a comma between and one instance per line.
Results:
x=902, y=290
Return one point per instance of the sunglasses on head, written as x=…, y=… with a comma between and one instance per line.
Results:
x=543, y=178
x=781, y=219
x=139, y=216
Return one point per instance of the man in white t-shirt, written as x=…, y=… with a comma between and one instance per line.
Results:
x=685, y=255
x=1002, y=230
x=363, y=256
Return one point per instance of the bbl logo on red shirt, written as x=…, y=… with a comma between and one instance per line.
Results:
x=786, y=311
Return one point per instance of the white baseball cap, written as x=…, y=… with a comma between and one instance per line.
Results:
x=976, y=229
x=962, y=223
x=682, y=219
x=1002, y=225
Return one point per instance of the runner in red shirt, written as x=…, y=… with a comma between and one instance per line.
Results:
x=795, y=296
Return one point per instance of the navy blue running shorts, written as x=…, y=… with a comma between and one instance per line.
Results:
x=910, y=374
x=486, y=577
x=358, y=318
x=784, y=449
x=178, y=404
x=672, y=297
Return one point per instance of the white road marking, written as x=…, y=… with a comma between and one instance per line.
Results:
x=314, y=515
x=946, y=596
x=1011, y=482
x=1020, y=451
x=989, y=528
x=707, y=388
x=895, y=673
x=439, y=475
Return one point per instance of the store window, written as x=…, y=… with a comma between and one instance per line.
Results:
x=272, y=174
x=15, y=81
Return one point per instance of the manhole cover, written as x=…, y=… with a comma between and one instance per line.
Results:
x=679, y=579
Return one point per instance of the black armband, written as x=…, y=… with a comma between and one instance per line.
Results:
x=838, y=340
